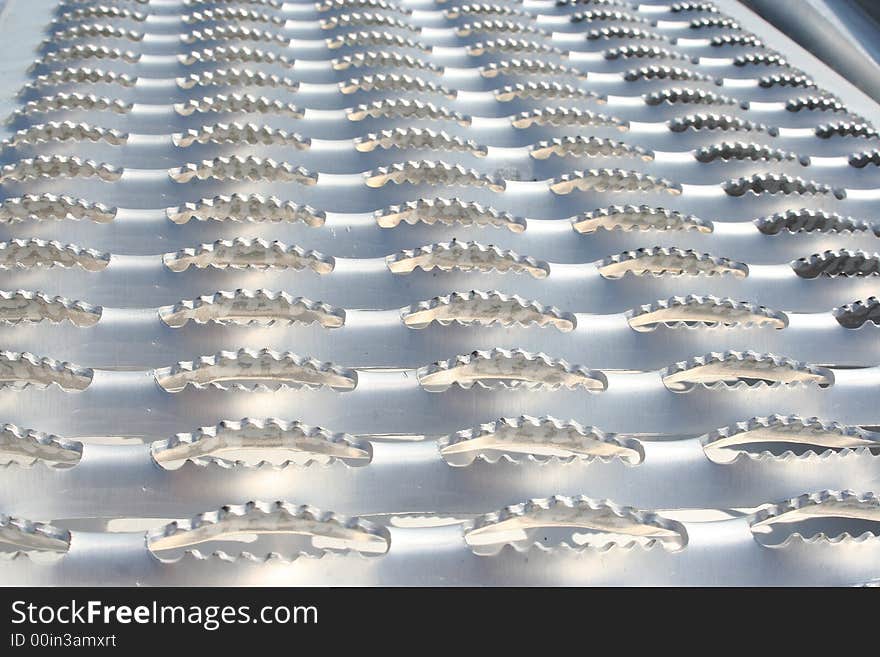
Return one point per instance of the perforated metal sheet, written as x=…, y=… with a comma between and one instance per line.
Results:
x=530, y=293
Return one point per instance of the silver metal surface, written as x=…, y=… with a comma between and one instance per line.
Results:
x=462, y=273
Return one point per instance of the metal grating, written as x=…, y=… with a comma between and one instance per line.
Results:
x=525, y=293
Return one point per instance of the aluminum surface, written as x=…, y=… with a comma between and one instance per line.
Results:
x=461, y=273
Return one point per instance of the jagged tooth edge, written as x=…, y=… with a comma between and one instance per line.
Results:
x=564, y=547
x=73, y=207
x=464, y=297
x=858, y=310
x=426, y=172
x=271, y=205
x=779, y=184
x=760, y=59
x=602, y=14
x=41, y=439
x=713, y=121
x=814, y=499
x=189, y=306
x=863, y=158
x=687, y=221
x=225, y=77
x=195, y=554
x=765, y=314
x=662, y=72
x=689, y=96
x=846, y=129
x=81, y=52
x=65, y=14
x=736, y=39
x=235, y=32
x=227, y=465
x=516, y=260
x=491, y=26
x=490, y=428
x=844, y=538
x=78, y=75
x=420, y=138
x=142, y=2
x=374, y=37
x=233, y=54
x=549, y=115
x=615, y=180
x=747, y=151
x=624, y=32
x=796, y=80
x=394, y=82
x=386, y=59
x=807, y=456
x=69, y=166
x=708, y=7
x=789, y=455
x=46, y=364
x=302, y=512
x=93, y=30
x=42, y=133
x=508, y=354
x=730, y=355
x=543, y=89
x=182, y=368
x=528, y=66
x=207, y=170
x=806, y=220
x=230, y=14
x=385, y=107
x=577, y=3
x=482, y=9
x=601, y=147
x=714, y=22
x=70, y=101
x=235, y=132
x=77, y=252
x=24, y=526
x=636, y=515
x=366, y=19
x=672, y=251
x=410, y=213
x=641, y=51
x=346, y=5
x=812, y=265
x=512, y=46
x=308, y=431
x=815, y=103
x=237, y=103
x=207, y=249
x=46, y=300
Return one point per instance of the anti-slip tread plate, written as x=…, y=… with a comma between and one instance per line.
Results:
x=528, y=293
